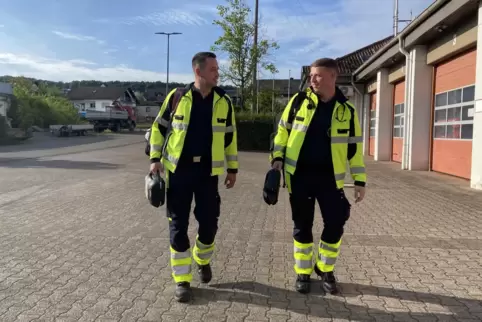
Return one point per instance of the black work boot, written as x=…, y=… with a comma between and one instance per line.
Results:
x=183, y=292
x=328, y=281
x=205, y=273
x=303, y=285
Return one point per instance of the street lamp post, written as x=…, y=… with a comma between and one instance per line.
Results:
x=168, y=34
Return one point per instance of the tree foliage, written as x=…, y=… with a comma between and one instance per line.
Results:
x=141, y=87
x=268, y=101
x=237, y=41
x=40, y=105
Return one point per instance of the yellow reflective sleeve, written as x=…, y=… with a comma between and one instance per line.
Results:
x=357, y=163
x=159, y=128
x=231, y=149
x=281, y=138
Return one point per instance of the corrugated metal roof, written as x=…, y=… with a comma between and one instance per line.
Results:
x=95, y=93
x=349, y=63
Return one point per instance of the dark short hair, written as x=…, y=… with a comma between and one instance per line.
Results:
x=325, y=62
x=200, y=58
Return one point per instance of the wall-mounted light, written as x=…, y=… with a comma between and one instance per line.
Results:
x=441, y=28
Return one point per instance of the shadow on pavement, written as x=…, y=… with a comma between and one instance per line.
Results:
x=59, y=164
x=45, y=141
x=314, y=305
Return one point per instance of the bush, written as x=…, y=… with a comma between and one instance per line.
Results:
x=41, y=106
x=254, y=131
x=3, y=127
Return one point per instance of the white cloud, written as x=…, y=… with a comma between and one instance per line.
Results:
x=1, y=26
x=164, y=18
x=110, y=51
x=69, y=70
x=345, y=26
x=66, y=35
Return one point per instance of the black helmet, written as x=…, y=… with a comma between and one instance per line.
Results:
x=271, y=186
x=155, y=190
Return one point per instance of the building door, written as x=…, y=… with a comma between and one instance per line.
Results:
x=453, y=115
x=398, y=121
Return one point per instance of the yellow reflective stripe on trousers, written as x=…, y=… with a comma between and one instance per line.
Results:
x=202, y=253
x=181, y=266
x=231, y=158
x=327, y=255
x=303, y=255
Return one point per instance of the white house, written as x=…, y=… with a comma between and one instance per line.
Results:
x=6, y=92
x=97, y=98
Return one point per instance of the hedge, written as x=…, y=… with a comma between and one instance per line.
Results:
x=254, y=131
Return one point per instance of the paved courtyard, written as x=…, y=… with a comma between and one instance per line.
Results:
x=79, y=242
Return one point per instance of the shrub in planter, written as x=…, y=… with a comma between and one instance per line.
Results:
x=254, y=131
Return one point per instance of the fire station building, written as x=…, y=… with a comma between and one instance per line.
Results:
x=420, y=96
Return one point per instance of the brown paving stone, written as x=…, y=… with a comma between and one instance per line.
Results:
x=78, y=242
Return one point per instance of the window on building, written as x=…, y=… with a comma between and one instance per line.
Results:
x=92, y=105
x=454, y=114
x=373, y=122
x=398, y=120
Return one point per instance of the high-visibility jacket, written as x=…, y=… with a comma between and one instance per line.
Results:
x=224, y=143
x=345, y=132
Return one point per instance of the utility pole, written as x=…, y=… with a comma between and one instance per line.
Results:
x=257, y=96
x=255, y=51
x=396, y=20
x=168, y=34
x=289, y=84
x=272, y=98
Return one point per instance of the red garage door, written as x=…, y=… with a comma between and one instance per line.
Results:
x=398, y=121
x=453, y=115
x=373, y=107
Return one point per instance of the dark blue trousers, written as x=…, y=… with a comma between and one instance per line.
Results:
x=192, y=180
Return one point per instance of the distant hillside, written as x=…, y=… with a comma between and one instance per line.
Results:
x=136, y=86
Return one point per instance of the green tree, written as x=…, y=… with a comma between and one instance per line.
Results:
x=268, y=101
x=237, y=41
x=39, y=104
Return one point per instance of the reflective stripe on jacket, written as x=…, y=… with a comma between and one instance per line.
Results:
x=224, y=144
x=346, y=138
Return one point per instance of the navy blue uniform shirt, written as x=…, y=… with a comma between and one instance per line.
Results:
x=199, y=135
x=315, y=153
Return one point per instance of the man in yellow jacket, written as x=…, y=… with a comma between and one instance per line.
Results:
x=318, y=134
x=193, y=138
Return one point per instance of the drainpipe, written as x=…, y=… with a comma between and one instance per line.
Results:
x=362, y=107
x=406, y=113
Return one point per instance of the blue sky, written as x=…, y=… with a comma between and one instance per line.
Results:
x=114, y=39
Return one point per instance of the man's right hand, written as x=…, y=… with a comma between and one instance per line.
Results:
x=278, y=165
x=156, y=167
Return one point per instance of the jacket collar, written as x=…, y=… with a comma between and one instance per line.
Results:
x=339, y=96
x=218, y=90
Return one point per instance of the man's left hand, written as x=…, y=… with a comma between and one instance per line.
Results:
x=359, y=193
x=230, y=180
